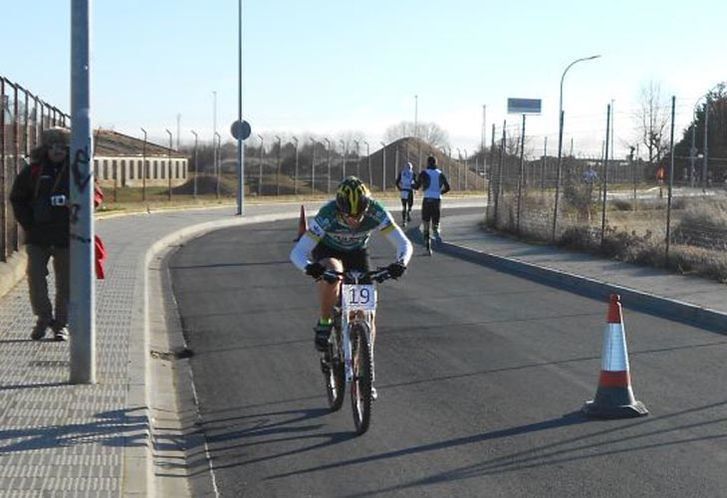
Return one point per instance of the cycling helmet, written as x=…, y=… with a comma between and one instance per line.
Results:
x=352, y=197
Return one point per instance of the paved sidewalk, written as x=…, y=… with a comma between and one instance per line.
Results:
x=690, y=299
x=69, y=440
x=88, y=440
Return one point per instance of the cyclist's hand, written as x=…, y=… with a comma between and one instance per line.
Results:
x=315, y=270
x=396, y=270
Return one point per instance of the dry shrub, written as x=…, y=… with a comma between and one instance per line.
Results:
x=708, y=215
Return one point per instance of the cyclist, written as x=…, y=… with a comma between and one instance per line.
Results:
x=406, y=182
x=433, y=184
x=337, y=239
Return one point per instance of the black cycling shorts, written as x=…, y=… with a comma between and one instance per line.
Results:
x=358, y=259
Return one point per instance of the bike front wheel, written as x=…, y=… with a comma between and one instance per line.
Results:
x=363, y=370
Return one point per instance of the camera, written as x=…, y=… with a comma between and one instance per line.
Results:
x=58, y=200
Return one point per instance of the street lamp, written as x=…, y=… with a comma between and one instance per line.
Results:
x=295, y=179
x=328, y=149
x=368, y=159
x=344, y=148
x=277, y=174
x=169, y=166
x=383, y=167
x=560, y=137
x=313, y=166
x=260, y=165
x=358, y=159
x=219, y=161
x=194, y=188
x=143, y=162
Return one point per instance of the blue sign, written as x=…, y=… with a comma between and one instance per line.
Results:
x=240, y=129
x=524, y=106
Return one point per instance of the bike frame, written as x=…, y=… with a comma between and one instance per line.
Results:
x=352, y=317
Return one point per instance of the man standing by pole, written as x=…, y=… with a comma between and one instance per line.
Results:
x=82, y=290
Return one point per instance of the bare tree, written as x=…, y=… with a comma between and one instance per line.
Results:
x=652, y=119
x=431, y=133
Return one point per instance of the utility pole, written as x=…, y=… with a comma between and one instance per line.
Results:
x=82, y=298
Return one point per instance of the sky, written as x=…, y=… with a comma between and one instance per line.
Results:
x=335, y=67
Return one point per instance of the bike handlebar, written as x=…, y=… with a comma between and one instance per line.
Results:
x=378, y=275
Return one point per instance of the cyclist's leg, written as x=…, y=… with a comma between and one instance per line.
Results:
x=328, y=293
x=403, y=209
x=409, y=204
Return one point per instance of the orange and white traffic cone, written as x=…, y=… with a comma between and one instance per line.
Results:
x=302, y=223
x=614, y=397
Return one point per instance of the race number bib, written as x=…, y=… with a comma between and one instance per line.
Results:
x=359, y=297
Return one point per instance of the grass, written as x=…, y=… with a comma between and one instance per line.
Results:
x=638, y=235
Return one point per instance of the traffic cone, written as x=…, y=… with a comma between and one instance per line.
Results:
x=302, y=223
x=614, y=397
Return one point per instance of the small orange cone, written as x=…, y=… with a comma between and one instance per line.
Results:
x=302, y=223
x=614, y=397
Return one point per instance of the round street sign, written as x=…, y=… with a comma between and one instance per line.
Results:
x=240, y=129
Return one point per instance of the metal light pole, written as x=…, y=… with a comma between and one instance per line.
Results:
x=169, y=166
x=383, y=166
x=260, y=166
x=144, y=167
x=219, y=161
x=214, y=135
x=82, y=298
x=560, y=138
x=368, y=158
x=277, y=174
x=344, y=148
x=295, y=179
x=194, y=182
x=313, y=166
x=240, y=145
x=358, y=159
x=328, y=148
x=706, y=143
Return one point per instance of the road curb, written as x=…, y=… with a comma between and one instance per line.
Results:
x=663, y=307
x=139, y=460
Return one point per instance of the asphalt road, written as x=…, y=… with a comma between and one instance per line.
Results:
x=480, y=376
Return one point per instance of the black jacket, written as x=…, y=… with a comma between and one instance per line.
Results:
x=40, y=199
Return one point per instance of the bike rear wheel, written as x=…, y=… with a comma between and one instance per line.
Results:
x=362, y=364
x=334, y=372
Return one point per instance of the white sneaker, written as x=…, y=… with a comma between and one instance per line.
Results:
x=374, y=394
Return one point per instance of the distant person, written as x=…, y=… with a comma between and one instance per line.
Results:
x=406, y=182
x=590, y=176
x=433, y=184
x=40, y=199
x=660, y=175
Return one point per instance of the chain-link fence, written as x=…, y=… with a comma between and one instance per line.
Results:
x=23, y=117
x=625, y=207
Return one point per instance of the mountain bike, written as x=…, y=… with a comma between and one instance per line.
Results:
x=349, y=359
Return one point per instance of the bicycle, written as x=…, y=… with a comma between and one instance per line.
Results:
x=349, y=359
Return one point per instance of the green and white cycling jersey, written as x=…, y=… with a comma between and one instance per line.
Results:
x=330, y=229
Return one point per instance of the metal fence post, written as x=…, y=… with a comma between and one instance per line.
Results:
x=605, y=175
x=671, y=180
x=520, y=177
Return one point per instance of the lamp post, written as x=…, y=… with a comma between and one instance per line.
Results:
x=277, y=173
x=459, y=169
x=169, y=166
x=144, y=167
x=260, y=166
x=313, y=166
x=328, y=148
x=560, y=138
x=214, y=135
x=219, y=162
x=194, y=182
x=344, y=148
x=368, y=160
x=358, y=159
x=295, y=178
x=383, y=166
